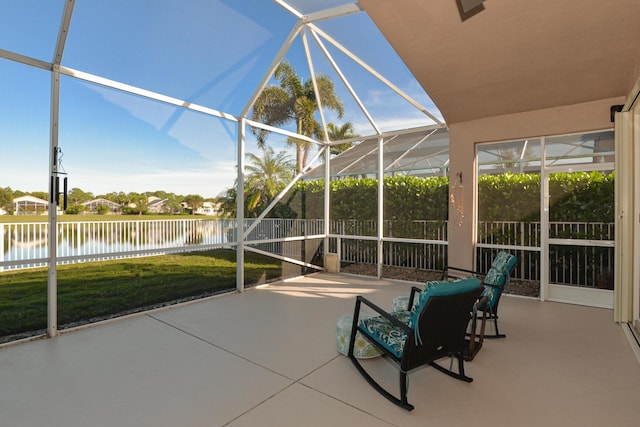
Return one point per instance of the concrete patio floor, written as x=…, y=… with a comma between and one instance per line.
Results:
x=267, y=357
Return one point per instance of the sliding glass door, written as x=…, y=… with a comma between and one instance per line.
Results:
x=579, y=211
x=550, y=201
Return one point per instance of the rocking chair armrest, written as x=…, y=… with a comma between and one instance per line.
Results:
x=446, y=268
x=360, y=299
x=414, y=290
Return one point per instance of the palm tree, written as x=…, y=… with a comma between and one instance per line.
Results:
x=338, y=133
x=294, y=100
x=266, y=176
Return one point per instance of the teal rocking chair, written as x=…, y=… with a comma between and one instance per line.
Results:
x=435, y=328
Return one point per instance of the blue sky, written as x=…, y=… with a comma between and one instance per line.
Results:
x=209, y=52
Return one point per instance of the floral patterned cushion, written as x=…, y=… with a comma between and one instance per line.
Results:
x=495, y=280
x=386, y=333
x=401, y=303
x=401, y=315
x=497, y=276
x=504, y=262
x=362, y=349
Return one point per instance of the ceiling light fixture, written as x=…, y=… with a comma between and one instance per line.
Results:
x=469, y=8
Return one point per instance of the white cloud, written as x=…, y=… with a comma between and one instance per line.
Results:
x=207, y=183
x=191, y=129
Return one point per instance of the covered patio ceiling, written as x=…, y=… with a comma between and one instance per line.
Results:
x=515, y=55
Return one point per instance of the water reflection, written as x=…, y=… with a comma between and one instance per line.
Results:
x=29, y=241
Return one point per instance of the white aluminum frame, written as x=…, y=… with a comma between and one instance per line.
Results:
x=627, y=291
x=304, y=24
x=549, y=291
x=54, y=176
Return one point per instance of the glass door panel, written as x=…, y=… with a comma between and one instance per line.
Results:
x=580, y=185
x=509, y=209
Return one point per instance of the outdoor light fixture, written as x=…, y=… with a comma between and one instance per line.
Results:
x=468, y=8
x=615, y=109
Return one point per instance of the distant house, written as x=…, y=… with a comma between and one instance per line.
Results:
x=30, y=205
x=157, y=205
x=92, y=205
x=209, y=208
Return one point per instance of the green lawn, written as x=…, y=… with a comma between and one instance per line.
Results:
x=103, y=289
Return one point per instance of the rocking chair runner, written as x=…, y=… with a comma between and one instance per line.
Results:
x=433, y=329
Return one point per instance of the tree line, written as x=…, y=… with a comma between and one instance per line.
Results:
x=131, y=203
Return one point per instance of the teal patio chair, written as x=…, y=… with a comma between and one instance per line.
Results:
x=495, y=281
x=435, y=328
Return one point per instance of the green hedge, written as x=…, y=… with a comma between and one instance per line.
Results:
x=580, y=197
x=574, y=197
x=509, y=197
x=406, y=198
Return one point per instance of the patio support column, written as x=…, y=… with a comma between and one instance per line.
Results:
x=52, y=232
x=240, y=207
x=625, y=218
x=544, y=224
x=634, y=108
x=380, y=204
x=327, y=203
x=52, y=235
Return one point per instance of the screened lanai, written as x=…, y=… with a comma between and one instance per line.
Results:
x=116, y=101
x=156, y=99
x=119, y=103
